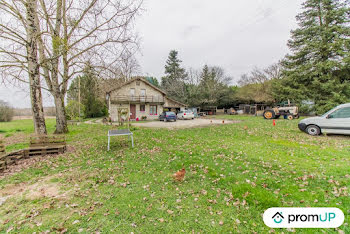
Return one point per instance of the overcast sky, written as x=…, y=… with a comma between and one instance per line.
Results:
x=236, y=35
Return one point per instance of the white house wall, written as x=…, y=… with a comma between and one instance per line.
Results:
x=139, y=114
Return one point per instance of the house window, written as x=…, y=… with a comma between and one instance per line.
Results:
x=132, y=94
x=138, y=83
x=143, y=95
x=153, y=110
x=143, y=92
x=142, y=107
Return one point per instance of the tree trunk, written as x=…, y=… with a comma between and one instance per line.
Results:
x=33, y=70
x=37, y=105
x=61, y=120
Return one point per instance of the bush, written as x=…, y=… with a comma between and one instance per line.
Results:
x=94, y=108
x=143, y=117
x=6, y=112
x=72, y=110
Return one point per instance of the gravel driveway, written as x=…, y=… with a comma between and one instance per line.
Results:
x=183, y=123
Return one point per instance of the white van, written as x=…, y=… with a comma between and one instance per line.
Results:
x=335, y=121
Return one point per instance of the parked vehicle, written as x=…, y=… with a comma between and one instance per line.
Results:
x=335, y=121
x=289, y=112
x=167, y=116
x=187, y=114
x=231, y=111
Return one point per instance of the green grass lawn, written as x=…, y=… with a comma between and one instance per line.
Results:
x=233, y=175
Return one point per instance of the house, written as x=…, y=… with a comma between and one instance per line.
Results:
x=140, y=98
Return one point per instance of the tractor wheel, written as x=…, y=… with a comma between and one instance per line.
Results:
x=290, y=117
x=296, y=116
x=269, y=114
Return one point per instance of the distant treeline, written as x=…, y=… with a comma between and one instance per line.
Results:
x=49, y=111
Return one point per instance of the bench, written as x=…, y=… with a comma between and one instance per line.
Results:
x=45, y=140
x=120, y=132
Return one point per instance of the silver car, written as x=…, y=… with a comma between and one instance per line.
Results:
x=335, y=121
x=187, y=114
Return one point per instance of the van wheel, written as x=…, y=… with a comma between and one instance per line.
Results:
x=313, y=130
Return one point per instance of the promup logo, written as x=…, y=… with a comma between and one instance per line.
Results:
x=303, y=217
x=278, y=217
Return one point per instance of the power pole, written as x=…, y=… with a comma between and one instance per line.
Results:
x=79, y=96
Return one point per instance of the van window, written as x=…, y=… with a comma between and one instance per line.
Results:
x=341, y=113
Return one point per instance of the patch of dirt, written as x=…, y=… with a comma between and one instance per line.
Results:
x=43, y=188
x=200, y=122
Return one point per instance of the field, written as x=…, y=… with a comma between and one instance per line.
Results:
x=234, y=173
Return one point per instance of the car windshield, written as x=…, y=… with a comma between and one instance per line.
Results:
x=170, y=113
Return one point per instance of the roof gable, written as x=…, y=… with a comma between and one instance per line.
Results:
x=135, y=79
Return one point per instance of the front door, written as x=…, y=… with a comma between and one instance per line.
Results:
x=132, y=111
x=338, y=122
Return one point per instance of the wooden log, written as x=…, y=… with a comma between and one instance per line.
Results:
x=2, y=166
x=10, y=161
x=2, y=148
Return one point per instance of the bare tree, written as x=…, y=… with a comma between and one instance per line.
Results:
x=260, y=76
x=256, y=86
x=75, y=32
x=19, y=53
x=129, y=66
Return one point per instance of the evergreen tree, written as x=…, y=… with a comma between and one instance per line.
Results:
x=207, y=85
x=175, y=76
x=89, y=94
x=317, y=69
x=153, y=81
x=213, y=87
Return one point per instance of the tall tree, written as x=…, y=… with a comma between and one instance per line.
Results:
x=80, y=32
x=175, y=77
x=213, y=86
x=152, y=80
x=317, y=69
x=94, y=105
x=19, y=52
